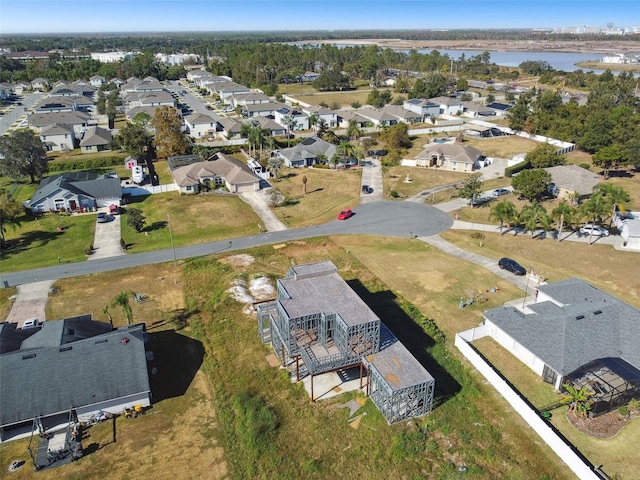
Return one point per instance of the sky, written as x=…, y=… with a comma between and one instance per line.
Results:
x=80, y=16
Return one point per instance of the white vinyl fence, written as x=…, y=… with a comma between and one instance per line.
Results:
x=567, y=452
x=141, y=190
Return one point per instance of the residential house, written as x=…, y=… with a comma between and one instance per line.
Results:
x=402, y=114
x=345, y=117
x=319, y=323
x=271, y=126
x=474, y=110
x=448, y=105
x=64, y=104
x=148, y=84
x=148, y=110
x=425, y=108
x=66, y=369
x=201, y=125
x=74, y=191
x=21, y=87
x=40, y=84
x=231, y=128
x=330, y=117
x=58, y=138
x=575, y=333
x=209, y=81
x=267, y=109
x=244, y=99
x=306, y=153
x=192, y=175
x=572, y=182
x=97, y=81
x=149, y=99
x=5, y=90
x=300, y=118
x=227, y=90
x=96, y=139
x=378, y=117
x=450, y=156
x=78, y=120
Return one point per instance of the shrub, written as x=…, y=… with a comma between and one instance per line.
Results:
x=393, y=193
x=89, y=249
x=623, y=411
x=86, y=163
x=518, y=167
x=586, y=166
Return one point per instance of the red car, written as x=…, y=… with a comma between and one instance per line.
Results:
x=344, y=214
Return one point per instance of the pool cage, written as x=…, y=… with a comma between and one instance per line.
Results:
x=611, y=381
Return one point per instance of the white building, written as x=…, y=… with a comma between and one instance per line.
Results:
x=111, y=57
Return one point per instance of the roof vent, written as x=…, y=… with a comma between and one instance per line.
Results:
x=28, y=356
x=579, y=317
x=104, y=340
x=65, y=349
x=597, y=312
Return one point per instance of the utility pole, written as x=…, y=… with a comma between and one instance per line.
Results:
x=173, y=249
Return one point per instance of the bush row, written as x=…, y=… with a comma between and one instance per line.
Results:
x=518, y=167
x=85, y=164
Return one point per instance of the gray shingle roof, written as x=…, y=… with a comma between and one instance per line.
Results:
x=96, y=136
x=452, y=152
x=310, y=147
x=68, y=118
x=53, y=379
x=574, y=178
x=232, y=170
x=589, y=324
x=88, y=184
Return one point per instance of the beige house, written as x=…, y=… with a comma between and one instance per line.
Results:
x=219, y=171
x=450, y=156
x=96, y=139
x=572, y=182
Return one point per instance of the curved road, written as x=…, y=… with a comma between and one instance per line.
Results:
x=391, y=219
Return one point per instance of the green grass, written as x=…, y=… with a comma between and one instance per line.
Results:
x=194, y=219
x=37, y=242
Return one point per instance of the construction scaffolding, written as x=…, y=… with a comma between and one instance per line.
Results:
x=320, y=320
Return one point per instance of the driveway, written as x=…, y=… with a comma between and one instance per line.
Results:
x=258, y=201
x=106, y=242
x=372, y=177
x=30, y=302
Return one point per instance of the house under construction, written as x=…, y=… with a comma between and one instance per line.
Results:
x=319, y=320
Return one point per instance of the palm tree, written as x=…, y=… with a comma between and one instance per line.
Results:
x=122, y=300
x=290, y=123
x=596, y=207
x=534, y=215
x=563, y=212
x=105, y=310
x=578, y=400
x=504, y=211
x=614, y=195
x=322, y=128
x=274, y=165
x=347, y=150
x=313, y=119
x=353, y=130
x=304, y=184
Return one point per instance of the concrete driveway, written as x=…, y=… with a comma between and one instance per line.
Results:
x=258, y=202
x=106, y=242
x=372, y=176
x=30, y=302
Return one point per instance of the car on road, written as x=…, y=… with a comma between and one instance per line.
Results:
x=591, y=229
x=498, y=192
x=511, y=266
x=344, y=214
x=479, y=201
x=102, y=218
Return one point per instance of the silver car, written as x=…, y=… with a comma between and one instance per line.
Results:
x=591, y=229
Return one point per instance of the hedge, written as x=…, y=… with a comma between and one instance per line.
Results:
x=86, y=164
x=518, y=167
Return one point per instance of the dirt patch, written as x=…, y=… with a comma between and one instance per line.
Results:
x=602, y=426
x=241, y=260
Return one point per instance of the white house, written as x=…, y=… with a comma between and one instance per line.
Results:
x=425, y=108
x=97, y=81
x=58, y=138
x=300, y=118
x=448, y=106
x=329, y=116
x=200, y=125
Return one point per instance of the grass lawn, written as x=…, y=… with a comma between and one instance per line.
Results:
x=38, y=243
x=328, y=192
x=501, y=147
x=77, y=154
x=163, y=172
x=394, y=178
x=194, y=219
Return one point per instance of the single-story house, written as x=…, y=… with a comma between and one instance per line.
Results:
x=230, y=127
x=96, y=139
x=451, y=156
x=572, y=182
x=263, y=109
x=218, y=171
x=73, y=191
x=320, y=322
x=474, y=110
x=575, y=333
x=200, y=125
x=347, y=116
x=378, y=116
x=402, y=114
x=58, y=138
x=272, y=126
x=306, y=152
x=66, y=369
x=21, y=87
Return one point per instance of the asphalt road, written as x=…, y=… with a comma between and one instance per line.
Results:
x=390, y=219
x=12, y=116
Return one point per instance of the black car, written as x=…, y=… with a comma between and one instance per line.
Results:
x=512, y=266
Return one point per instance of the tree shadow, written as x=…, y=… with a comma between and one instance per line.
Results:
x=316, y=190
x=177, y=359
x=25, y=240
x=385, y=305
x=289, y=175
x=155, y=226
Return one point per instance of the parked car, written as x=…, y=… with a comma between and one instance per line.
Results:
x=591, y=229
x=344, y=214
x=31, y=323
x=511, y=266
x=114, y=209
x=102, y=218
x=366, y=189
x=498, y=192
x=479, y=201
